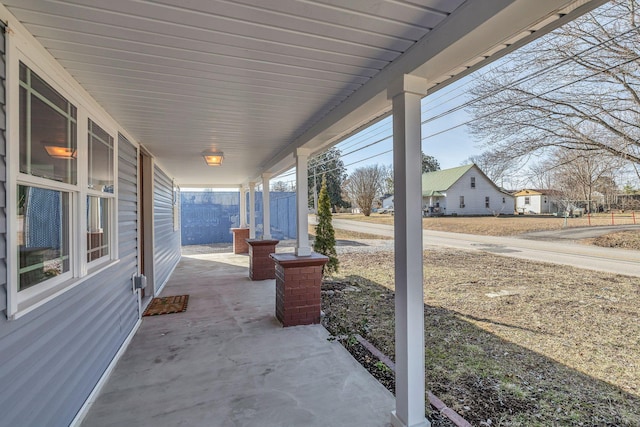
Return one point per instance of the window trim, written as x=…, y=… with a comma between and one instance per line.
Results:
x=473, y=182
x=487, y=202
x=19, y=303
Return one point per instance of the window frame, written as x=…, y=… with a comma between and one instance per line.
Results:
x=462, y=205
x=473, y=182
x=21, y=302
x=487, y=202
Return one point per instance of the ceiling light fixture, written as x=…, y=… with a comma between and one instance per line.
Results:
x=58, y=152
x=213, y=158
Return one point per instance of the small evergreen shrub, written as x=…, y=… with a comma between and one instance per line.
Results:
x=325, y=241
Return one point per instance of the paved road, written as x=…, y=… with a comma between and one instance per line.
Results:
x=577, y=233
x=621, y=261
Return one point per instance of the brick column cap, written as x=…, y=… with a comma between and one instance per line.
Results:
x=292, y=260
x=239, y=228
x=260, y=242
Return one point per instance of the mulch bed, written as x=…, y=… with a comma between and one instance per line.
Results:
x=379, y=370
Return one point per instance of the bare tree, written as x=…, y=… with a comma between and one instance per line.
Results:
x=496, y=167
x=279, y=186
x=577, y=88
x=387, y=180
x=540, y=174
x=578, y=174
x=363, y=185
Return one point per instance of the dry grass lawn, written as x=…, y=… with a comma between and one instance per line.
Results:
x=516, y=342
x=348, y=235
x=502, y=225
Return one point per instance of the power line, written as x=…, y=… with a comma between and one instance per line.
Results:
x=546, y=40
x=382, y=127
x=526, y=78
x=501, y=110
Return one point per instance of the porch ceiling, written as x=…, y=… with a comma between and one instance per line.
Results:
x=256, y=79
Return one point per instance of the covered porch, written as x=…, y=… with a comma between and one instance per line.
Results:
x=256, y=88
x=227, y=361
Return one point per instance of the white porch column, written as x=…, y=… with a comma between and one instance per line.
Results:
x=252, y=210
x=302, y=203
x=266, y=211
x=243, y=208
x=406, y=93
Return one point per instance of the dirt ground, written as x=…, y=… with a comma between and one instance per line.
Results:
x=623, y=239
x=507, y=342
x=504, y=225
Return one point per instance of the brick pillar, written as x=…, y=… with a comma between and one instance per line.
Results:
x=298, y=281
x=261, y=267
x=240, y=236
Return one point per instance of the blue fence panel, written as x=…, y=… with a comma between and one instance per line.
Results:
x=207, y=216
x=283, y=214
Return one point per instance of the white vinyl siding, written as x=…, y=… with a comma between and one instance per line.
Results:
x=474, y=200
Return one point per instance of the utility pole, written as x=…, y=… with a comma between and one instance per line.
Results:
x=315, y=191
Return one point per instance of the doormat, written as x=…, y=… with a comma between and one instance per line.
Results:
x=167, y=305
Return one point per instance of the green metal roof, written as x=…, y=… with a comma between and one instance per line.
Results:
x=439, y=181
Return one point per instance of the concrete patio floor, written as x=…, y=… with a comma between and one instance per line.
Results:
x=226, y=361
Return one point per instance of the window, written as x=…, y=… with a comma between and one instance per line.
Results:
x=462, y=201
x=100, y=192
x=487, y=203
x=473, y=182
x=43, y=235
x=47, y=149
x=47, y=131
x=56, y=203
x=100, y=159
x=98, y=228
x=527, y=200
x=504, y=200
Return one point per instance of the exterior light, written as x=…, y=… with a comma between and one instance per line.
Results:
x=213, y=159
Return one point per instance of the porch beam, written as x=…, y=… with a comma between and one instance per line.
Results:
x=406, y=93
x=266, y=210
x=302, y=203
x=252, y=210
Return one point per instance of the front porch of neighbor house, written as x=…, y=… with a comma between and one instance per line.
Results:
x=227, y=361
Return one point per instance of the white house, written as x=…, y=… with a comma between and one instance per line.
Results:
x=538, y=201
x=464, y=190
x=387, y=202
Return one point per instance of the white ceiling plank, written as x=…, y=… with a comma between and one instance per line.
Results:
x=364, y=20
x=183, y=36
x=176, y=19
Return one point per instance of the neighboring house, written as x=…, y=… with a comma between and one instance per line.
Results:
x=387, y=202
x=464, y=190
x=538, y=201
